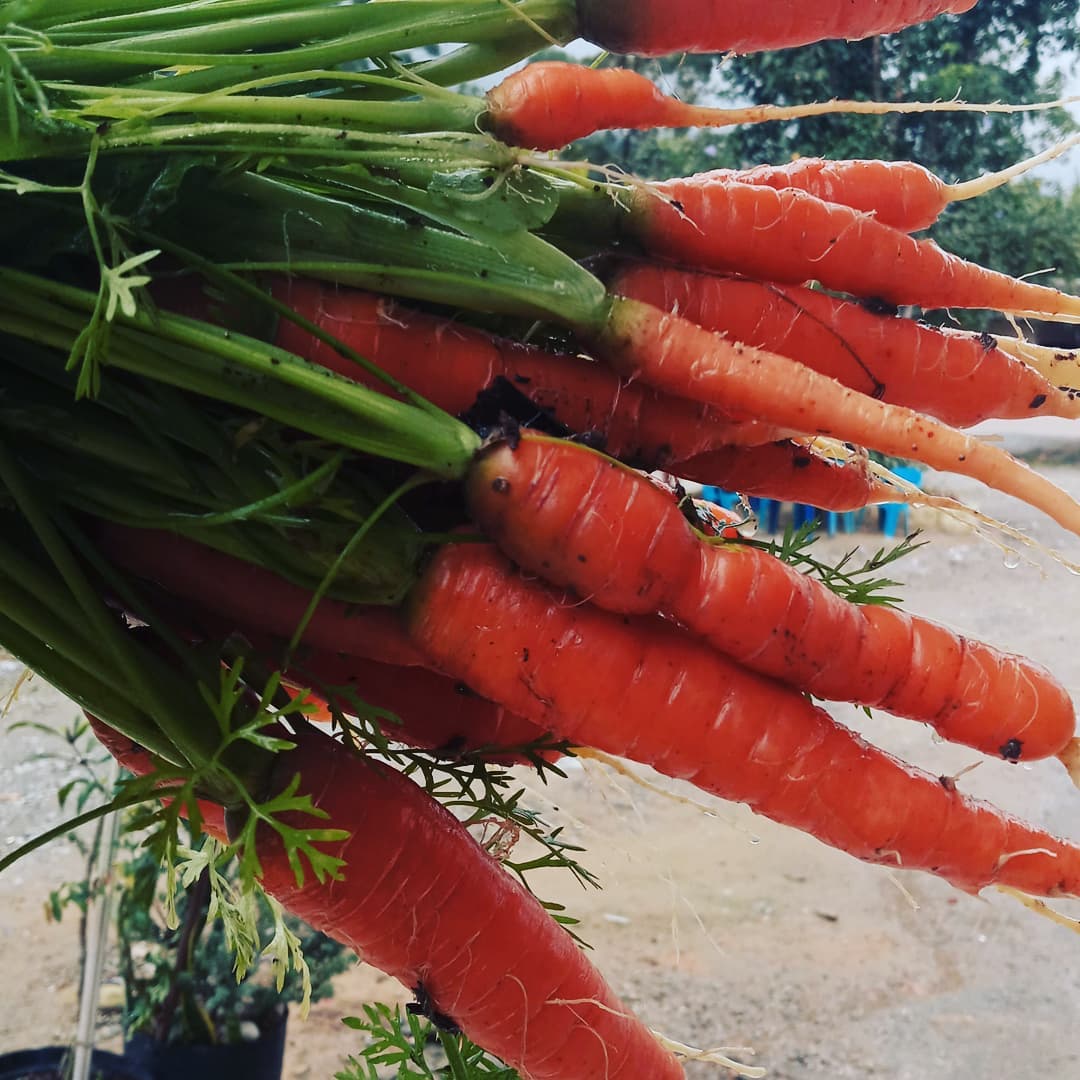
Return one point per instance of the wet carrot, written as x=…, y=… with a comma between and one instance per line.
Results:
x=674, y=354
x=642, y=688
x=652, y=28
x=792, y=237
x=580, y=520
x=961, y=378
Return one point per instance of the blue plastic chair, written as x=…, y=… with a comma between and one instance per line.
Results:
x=844, y=520
x=768, y=513
x=719, y=497
x=801, y=515
x=891, y=514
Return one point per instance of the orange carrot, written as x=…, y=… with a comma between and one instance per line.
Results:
x=138, y=761
x=450, y=363
x=552, y=507
x=791, y=236
x=651, y=28
x=424, y=903
x=961, y=379
x=902, y=194
x=790, y=472
x=548, y=104
x=676, y=355
x=642, y=688
x=252, y=599
x=429, y=710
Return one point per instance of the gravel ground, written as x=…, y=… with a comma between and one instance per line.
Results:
x=720, y=928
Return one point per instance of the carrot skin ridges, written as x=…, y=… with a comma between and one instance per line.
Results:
x=959, y=378
x=644, y=689
x=792, y=237
x=673, y=354
x=552, y=507
x=650, y=28
x=345, y=647
x=437, y=910
x=788, y=472
x=450, y=363
x=423, y=902
x=902, y=194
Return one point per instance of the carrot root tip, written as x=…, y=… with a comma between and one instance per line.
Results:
x=1070, y=758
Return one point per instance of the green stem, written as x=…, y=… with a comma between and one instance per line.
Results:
x=372, y=519
x=235, y=282
x=11, y=476
x=428, y=251
x=147, y=16
x=85, y=689
x=246, y=372
x=442, y=112
x=451, y=1045
x=221, y=54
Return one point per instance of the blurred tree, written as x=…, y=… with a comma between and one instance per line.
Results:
x=1001, y=50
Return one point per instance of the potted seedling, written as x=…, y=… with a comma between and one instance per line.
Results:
x=209, y=972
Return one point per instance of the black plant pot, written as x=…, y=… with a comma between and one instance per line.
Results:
x=258, y=1059
x=48, y=1063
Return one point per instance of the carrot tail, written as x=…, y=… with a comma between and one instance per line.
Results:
x=551, y=506
x=960, y=378
x=673, y=354
x=423, y=902
x=642, y=688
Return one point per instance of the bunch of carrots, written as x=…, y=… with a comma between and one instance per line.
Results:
x=329, y=396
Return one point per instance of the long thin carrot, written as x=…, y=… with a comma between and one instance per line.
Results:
x=652, y=28
x=674, y=354
x=642, y=688
x=961, y=378
x=548, y=104
x=791, y=236
x=424, y=903
x=902, y=194
x=580, y=520
x=450, y=363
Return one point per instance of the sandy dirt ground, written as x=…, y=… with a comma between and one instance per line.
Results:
x=718, y=927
